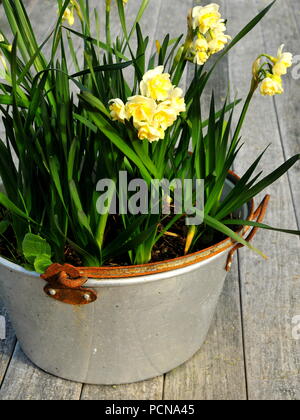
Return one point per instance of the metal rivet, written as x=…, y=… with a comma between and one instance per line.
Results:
x=87, y=297
x=52, y=292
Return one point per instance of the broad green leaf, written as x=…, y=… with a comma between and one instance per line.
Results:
x=41, y=263
x=34, y=246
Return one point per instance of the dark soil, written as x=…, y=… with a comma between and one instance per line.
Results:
x=170, y=246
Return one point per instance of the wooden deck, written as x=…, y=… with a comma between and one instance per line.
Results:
x=250, y=352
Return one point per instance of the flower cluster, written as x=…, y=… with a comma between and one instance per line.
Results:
x=270, y=74
x=155, y=109
x=208, y=33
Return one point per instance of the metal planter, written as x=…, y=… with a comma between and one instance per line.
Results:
x=140, y=326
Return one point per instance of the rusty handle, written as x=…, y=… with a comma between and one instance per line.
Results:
x=259, y=216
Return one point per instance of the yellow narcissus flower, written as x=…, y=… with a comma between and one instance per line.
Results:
x=200, y=49
x=271, y=85
x=210, y=34
x=271, y=82
x=117, y=110
x=151, y=117
x=219, y=26
x=156, y=84
x=201, y=58
x=217, y=38
x=141, y=109
x=218, y=42
x=177, y=101
x=150, y=132
x=78, y=9
x=205, y=17
x=165, y=115
x=201, y=44
x=282, y=62
x=69, y=16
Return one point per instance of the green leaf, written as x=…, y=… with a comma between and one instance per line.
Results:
x=55, y=172
x=259, y=225
x=26, y=69
x=219, y=226
x=123, y=237
x=9, y=205
x=41, y=263
x=82, y=217
x=106, y=128
x=98, y=43
x=122, y=17
x=139, y=16
x=107, y=67
x=34, y=246
x=248, y=194
x=8, y=172
x=8, y=100
x=85, y=122
x=4, y=224
x=94, y=102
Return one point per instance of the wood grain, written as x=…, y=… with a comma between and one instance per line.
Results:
x=148, y=390
x=285, y=17
x=24, y=381
x=270, y=290
x=7, y=345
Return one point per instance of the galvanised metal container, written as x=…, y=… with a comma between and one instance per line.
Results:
x=138, y=328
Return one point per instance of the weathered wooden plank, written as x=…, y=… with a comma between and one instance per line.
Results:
x=7, y=345
x=270, y=290
x=24, y=381
x=217, y=370
x=148, y=390
x=284, y=19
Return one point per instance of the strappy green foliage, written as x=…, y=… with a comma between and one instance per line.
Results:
x=60, y=141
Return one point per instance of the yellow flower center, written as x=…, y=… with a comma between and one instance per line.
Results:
x=140, y=111
x=160, y=87
x=207, y=21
